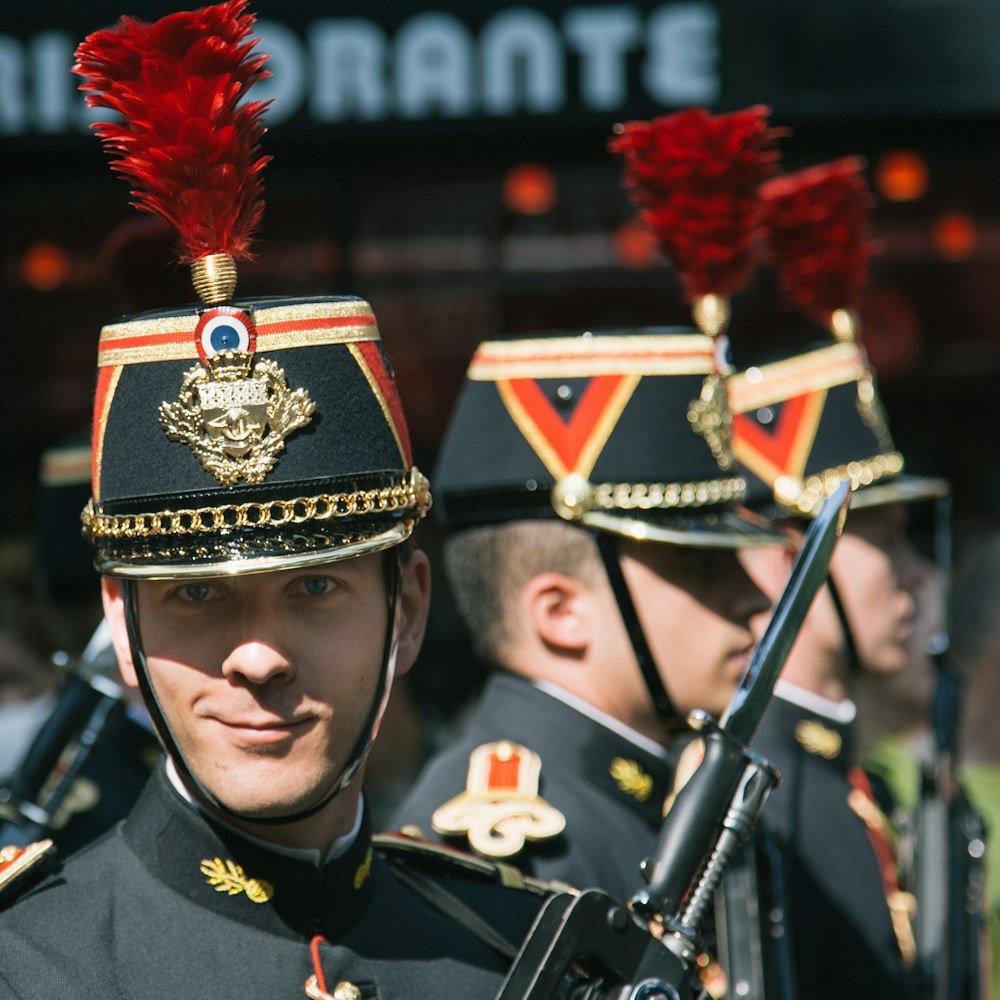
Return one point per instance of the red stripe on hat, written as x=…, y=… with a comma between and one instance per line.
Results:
x=782, y=443
x=369, y=350
x=105, y=376
x=567, y=438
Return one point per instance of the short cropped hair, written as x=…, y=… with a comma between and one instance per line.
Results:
x=487, y=568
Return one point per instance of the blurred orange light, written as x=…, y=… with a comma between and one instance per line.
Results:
x=44, y=266
x=954, y=235
x=635, y=245
x=902, y=176
x=529, y=189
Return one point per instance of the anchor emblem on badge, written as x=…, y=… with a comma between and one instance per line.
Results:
x=234, y=410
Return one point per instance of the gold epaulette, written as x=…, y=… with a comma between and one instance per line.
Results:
x=408, y=846
x=16, y=863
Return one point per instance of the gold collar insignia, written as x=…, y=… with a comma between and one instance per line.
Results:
x=227, y=876
x=815, y=738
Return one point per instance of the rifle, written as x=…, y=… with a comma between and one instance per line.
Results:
x=950, y=864
x=589, y=947
x=90, y=713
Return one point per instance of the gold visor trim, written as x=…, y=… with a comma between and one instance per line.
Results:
x=765, y=385
x=573, y=498
x=414, y=494
x=807, y=495
x=668, y=496
x=585, y=357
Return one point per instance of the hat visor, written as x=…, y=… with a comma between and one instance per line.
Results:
x=734, y=528
x=900, y=489
x=257, y=552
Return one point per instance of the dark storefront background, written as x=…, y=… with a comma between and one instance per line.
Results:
x=396, y=129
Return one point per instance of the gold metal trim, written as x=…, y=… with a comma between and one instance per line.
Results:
x=214, y=278
x=411, y=495
x=668, y=496
x=765, y=385
x=180, y=328
x=807, y=495
x=585, y=357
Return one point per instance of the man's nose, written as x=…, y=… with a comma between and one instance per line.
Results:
x=258, y=652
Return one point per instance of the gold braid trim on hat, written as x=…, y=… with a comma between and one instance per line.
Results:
x=413, y=494
x=573, y=496
x=805, y=496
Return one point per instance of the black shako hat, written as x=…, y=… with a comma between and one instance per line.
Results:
x=261, y=434
x=803, y=422
x=625, y=431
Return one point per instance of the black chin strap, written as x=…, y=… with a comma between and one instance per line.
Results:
x=854, y=666
x=607, y=545
x=392, y=564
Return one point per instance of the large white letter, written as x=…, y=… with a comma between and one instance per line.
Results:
x=12, y=103
x=286, y=84
x=433, y=67
x=602, y=36
x=349, y=66
x=522, y=63
x=57, y=103
x=682, y=67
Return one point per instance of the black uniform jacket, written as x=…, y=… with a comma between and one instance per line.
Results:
x=168, y=905
x=610, y=790
x=842, y=939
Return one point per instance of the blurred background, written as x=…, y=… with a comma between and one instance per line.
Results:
x=447, y=161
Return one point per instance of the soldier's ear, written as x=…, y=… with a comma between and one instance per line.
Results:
x=114, y=614
x=412, y=609
x=558, y=608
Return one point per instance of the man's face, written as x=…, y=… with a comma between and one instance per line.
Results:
x=877, y=573
x=267, y=679
x=695, y=607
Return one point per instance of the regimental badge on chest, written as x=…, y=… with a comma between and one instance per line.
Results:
x=500, y=808
x=235, y=411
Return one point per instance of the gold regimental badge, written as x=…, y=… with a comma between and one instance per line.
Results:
x=16, y=861
x=228, y=877
x=234, y=412
x=631, y=778
x=500, y=808
x=815, y=738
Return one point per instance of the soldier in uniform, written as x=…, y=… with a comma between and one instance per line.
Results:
x=587, y=487
x=802, y=421
x=253, y=501
x=592, y=552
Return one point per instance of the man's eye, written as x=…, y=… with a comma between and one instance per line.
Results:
x=317, y=585
x=195, y=593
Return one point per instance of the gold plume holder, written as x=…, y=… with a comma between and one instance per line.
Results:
x=711, y=313
x=844, y=324
x=214, y=278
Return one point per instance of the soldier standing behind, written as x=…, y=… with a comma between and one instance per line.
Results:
x=586, y=484
x=801, y=422
x=253, y=500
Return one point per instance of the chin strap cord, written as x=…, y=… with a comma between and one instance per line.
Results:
x=392, y=567
x=608, y=547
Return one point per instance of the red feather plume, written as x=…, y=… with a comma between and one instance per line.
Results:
x=187, y=146
x=817, y=227
x=696, y=177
